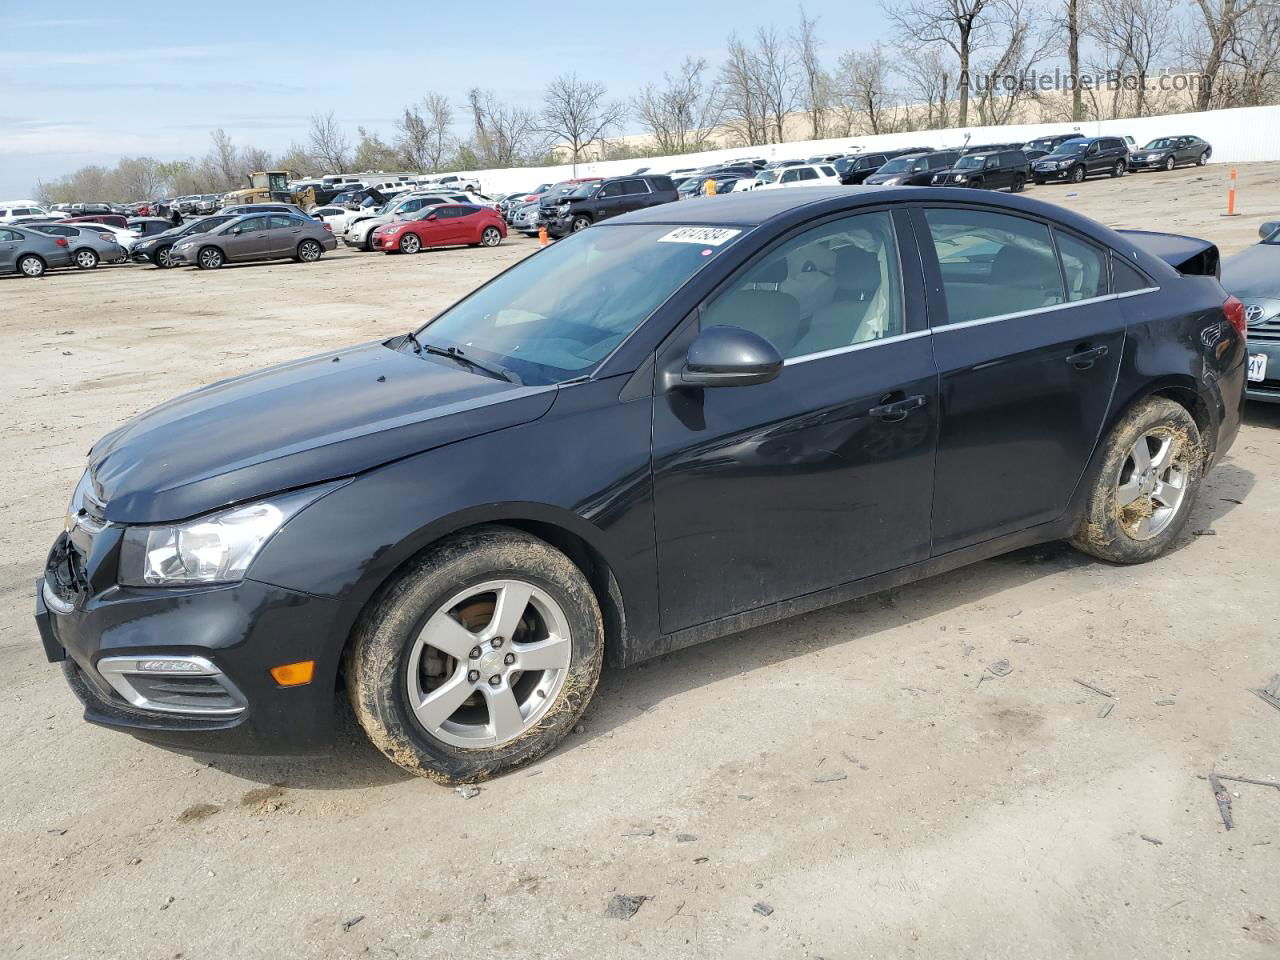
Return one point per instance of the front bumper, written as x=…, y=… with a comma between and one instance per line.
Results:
x=1268, y=390
x=238, y=630
x=1038, y=174
x=1156, y=163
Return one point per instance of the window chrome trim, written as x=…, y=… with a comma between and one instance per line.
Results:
x=1052, y=308
x=1135, y=293
x=805, y=357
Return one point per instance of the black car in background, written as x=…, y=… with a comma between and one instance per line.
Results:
x=612, y=197
x=1006, y=169
x=1165, y=153
x=855, y=169
x=1050, y=143
x=1083, y=157
x=913, y=169
x=156, y=249
x=707, y=435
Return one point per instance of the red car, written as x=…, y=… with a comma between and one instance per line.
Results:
x=444, y=225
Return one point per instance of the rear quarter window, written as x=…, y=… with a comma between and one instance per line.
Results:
x=1126, y=278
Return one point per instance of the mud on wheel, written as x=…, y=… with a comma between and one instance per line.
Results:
x=478, y=658
x=1151, y=470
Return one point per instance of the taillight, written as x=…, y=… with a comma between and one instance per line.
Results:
x=329, y=227
x=106, y=236
x=1234, y=310
x=60, y=241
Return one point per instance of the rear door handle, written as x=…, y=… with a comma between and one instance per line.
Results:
x=1083, y=359
x=897, y=410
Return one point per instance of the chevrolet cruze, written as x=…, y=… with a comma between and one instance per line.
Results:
x=684, y=422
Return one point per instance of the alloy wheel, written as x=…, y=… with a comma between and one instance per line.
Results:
x=410, y=244
x=488, y=663
x=210, y=258
x=1169, y=164
x=1152, y=483
x=86, y=259
x=164, y=258
x=309, y=251
x=580, y=223
x=1077, y=175
x=491, y=237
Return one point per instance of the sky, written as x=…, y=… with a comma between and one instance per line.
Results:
x=87, y=82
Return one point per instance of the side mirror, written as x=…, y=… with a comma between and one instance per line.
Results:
x=433, y=216
x=729, y=357
x=1268, y=228
x=235, y=230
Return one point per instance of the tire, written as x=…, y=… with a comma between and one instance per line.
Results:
x=367, y=245
x=410, y=243
x=163, y=258
x=490, y=237
x=1169, y=163
x=1133, y=515
x=456, y=593
x=86, y=259
x=1039, y=183
x=1203, y=158
x=1120, y=169
x=1019, y=183
x=29, y=265
x=1076, y=175
x=210, y=258
x=309, y=251
x=579, y=223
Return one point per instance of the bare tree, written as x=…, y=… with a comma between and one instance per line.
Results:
x=1208, y=46
x=254, y=159
x=864, y=96
x=424, y=135
x=576, y=112
x=298, y=160
x=1019, y=46
x=138, y=178
x=329, y=145
x=760, y=86
x=929, y=75
x=1134, y=33
x=224, y=158
x=373, y=153
x=1072, y=25
x=960, y=25
x=815, y=84
x=502, y=135
x=682, y=113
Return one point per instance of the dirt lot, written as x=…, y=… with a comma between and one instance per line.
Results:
x=847, y=769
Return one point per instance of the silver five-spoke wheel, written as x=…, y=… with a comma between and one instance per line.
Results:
x=488, y=663
x=1151, y=484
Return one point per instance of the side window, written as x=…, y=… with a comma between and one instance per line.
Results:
x=7, y=236
x=789, y=176
x=253, y=224
x=633, y=187
x=1126, y=278
x=1083, y=265
x=281, y=221
x=807, y=173
x=830, y=287
x=829, y=171
x=993, y=264
x=611, y=190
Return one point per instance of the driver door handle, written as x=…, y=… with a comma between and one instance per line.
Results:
x=1084, y=356
x=897, y=409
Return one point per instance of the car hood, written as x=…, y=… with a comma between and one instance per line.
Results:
x=369, y=220
x=316, y=419
x=1254, y=272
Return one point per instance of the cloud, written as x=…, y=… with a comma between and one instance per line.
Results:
x=114, y=57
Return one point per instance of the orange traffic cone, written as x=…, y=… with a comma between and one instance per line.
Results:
x=543, y=239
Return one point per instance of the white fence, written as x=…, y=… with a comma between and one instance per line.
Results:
x=1243, y=135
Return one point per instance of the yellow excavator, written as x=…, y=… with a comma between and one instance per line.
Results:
x=267, y=185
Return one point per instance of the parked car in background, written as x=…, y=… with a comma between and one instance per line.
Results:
x=550, y=199
x=803, y=175
x=156, y=249
x=1165, y=153
x=88, y=209
x=14, y=212
x=89, y=244
x=1002, y=170
x=856, y=169
x=110, y=219
x=594, y=202
x=1083, y=157
x=256, y=236
x=239, y=209
x=1253, y=275
x=149, y=226
x=335, y=216
x=359, y=231
x=508, y=206
x=30, y=253
x=451, y=181
x=445, y=225
x=1050, y=143
x=913, y=169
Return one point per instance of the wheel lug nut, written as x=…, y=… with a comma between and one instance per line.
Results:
x=495, y=680
x=509, y=659
x=473, y=675
x=496, y=642
x=475, y=653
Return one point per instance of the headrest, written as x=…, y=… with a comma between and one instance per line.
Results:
x=1020, y=267
x=857, y=269
x=775, y=271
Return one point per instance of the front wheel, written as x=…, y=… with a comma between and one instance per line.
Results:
x=1169, y=163
x=1077, y=174
x=480, y=657
x=580, y=223
x=491, y=237
x=309, y=251
x=86, y=259
x=164, y=258
x=1146, y=486
x=1039, y=182
x=210, y=258
x=410, y=243
x=1203, y=158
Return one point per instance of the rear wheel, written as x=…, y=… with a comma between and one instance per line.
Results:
x=1019, y=181
x=86, y=259
x=210, y=258
x=410, y=243
x=309, y=251
x=1077, y=174
x=480, y=657
x=1120, y=169
x=1147, y=484
x=31, y=266
x=491, y=237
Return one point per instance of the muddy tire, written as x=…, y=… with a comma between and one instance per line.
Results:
x=491, y=621
x=1146, y=487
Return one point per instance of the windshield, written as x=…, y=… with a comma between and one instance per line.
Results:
x=560, y=312
x=585, y=190
x=1071, y=147
x=898, y=165
x=1164, y=143
x=767, y=176
x=972, y=162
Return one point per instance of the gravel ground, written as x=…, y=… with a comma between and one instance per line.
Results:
x=838, y=785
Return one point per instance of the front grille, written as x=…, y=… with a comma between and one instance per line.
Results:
x=186, y=694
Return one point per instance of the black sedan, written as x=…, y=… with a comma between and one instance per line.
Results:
x=678, y=424
x=1253, y=275
x=1166, y=153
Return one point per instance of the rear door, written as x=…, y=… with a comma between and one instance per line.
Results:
x=635, y=195
x=824, y=475
x=1028, y=342
x=8, y=250
x=284, y=233
x=609, y=201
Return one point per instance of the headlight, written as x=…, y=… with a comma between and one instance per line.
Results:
x=390, y=230
x=891, y=181
x=960, y=178
x=216, y=548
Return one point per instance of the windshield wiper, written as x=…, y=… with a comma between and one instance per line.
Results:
x=453, y=353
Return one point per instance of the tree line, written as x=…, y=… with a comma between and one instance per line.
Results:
x=949, y=66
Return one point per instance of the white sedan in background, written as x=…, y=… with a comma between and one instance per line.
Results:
x=804, y=175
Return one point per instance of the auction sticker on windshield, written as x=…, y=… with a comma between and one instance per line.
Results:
x=708, y=236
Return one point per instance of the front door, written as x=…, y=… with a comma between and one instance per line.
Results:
x=251, y=242
x=1028, y=343
x=8, y=250
x=824, y=475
